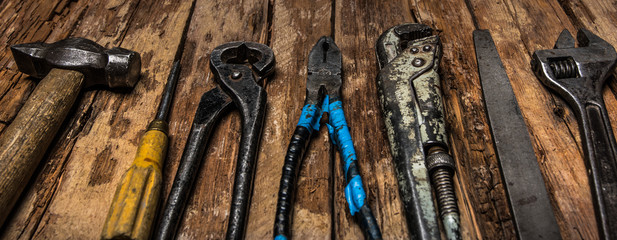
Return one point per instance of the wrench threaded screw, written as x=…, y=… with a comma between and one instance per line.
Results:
x=564, y=68
x=445, y=192
x=441, y=166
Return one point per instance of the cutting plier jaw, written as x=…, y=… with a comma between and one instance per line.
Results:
x=324, y=71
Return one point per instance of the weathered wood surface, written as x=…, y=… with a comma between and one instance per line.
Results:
x=75, y=182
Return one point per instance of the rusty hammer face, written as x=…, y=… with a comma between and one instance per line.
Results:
x=66, y=67
x=115, y=68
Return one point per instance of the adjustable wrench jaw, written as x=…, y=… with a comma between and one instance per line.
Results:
x=578, y=74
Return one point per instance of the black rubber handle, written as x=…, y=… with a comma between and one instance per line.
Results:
x=368, y=223
x=291, y=168
x=365, y=216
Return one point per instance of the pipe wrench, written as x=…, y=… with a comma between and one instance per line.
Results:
x=412, y=107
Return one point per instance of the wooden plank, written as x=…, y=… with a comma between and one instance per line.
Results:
x=296, y=27
x=207, y=210
x=555, y=134
x=73, y=188
x=71, y=196
x=358, y=24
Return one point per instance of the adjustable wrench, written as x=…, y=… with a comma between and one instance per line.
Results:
x=238, y=68
x=578, y=75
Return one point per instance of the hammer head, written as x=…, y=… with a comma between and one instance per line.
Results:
x=116, y=67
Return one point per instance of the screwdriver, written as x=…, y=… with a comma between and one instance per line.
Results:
x=134, y=206
x=133, y=209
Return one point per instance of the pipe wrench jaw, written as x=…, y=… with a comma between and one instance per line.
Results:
x=398, y=38
x=426, y=53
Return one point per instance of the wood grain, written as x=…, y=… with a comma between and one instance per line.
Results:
x=515, y=27
x=87, y=157
x=470, y=138
x=75, y=182
x=560, y=160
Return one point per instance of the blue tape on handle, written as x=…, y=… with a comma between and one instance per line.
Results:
x=339, y=132
x=355, y=195
x=338, y=128
x=311, y=114
x=280, y=237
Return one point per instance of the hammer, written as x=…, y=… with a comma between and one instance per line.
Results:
x=66, y=67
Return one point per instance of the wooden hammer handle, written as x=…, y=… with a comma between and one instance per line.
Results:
x=25, y=141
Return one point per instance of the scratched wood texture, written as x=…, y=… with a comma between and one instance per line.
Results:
x=69, y=195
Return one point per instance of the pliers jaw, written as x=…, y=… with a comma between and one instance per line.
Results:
x=257, y=57
x=238, y=68
x=324, y=71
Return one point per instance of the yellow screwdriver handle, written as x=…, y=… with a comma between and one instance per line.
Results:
x=134, y=206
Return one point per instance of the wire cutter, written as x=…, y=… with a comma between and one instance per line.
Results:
x=323, y=88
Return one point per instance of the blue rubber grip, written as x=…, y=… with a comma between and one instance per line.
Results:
x=339, y=132
x=308, y=119
x=354, y=193
x=280, y=237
